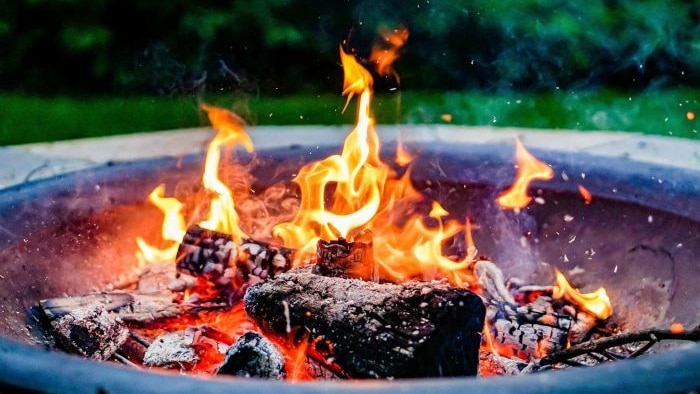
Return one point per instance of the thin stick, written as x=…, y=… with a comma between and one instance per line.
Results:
x=601, y=346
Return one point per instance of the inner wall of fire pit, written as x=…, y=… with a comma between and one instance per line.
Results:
x=640, y=236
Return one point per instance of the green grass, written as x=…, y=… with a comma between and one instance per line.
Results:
x=33, y=119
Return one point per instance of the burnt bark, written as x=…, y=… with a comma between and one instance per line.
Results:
x=415, y=329
x=130, y=307
x=342, y=259
x=204, y=252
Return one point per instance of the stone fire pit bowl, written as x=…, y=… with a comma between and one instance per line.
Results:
x=69, y=210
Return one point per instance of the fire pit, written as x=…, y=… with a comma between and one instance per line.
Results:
x=71, y=241
x=359, y=269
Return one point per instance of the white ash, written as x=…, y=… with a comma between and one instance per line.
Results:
x=91, y=331
x=171, y=349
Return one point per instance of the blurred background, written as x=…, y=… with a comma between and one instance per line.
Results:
x=83, y=68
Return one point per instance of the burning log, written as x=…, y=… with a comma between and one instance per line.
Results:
x=253, y=356
x=530, y=331
x=130, y=307
x=90, y=331
x=206, y=253
x=214, y=256
x=415, y=329
x=343, y=259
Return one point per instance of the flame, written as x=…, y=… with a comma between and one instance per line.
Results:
x=529, y=169
x=222, y=213
x=403, y=156
x=173, y=228
x=690, y=115
x=386, y=51
x=347, y=194
x=587, y=196
x=597, y=303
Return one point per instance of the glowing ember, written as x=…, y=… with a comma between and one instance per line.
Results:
x=597, y=303
x=677, y=328
x=529, y=169
x=690, y=115
x=587, y=196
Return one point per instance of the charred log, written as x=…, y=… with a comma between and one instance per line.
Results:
x=206, y=253
x=343, y=259
x=90, y=331
x=130, y=307
x=416, y=329
x=172, y=349
x=253, y=356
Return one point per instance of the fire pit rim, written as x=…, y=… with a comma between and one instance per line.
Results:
x=11, y=352
x=40, y=370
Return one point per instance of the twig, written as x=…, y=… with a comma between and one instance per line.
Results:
x=601, y=346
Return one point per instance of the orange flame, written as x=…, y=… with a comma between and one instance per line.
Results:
x=677, y=328
x=587, y=196
x=529, y=169
x=222, y=214
x=403, y=156
x=385, y=52
x=346, y=194
x=597, y=303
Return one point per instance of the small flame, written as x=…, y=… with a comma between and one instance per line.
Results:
x=386, y=51
x=529, y=169
x=597, y=303
x=403, y=156
x=587, y=196
x=173, y=228
x=222, y=214
x=690, y=115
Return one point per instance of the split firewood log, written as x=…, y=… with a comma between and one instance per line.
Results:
x=130, y=307
x=376, y=330
x=214, y=256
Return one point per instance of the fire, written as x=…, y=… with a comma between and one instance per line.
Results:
x=597, y=303
x=587, y=196
x=677, y=328
x=403, y=157
x=222, y=213
x=386, y=51
x=347, y=194
x=529, y=169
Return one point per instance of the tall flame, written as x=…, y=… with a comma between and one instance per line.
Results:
x=529, y=169
x=346, y=194
x=597, y=303
x=222, y=214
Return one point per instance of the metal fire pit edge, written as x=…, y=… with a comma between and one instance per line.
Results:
x=25, y=368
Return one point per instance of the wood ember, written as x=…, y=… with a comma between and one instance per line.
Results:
x=90, y=331
x=531, y=330
x=253, y=356
x=492, y=364
x=172, y=349
x=491, y=280
x=343, y=259
x=130, y=307
x=258, y=261
x=160, y=277
x=207, y=253
x=414, y=329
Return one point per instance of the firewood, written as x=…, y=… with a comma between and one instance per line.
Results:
x=530, y=331
x=214, y=256
x=130, y=307
x=253, y=356
x=415, y=329
x=90, y=331
x=342, y=259
x=207, y=253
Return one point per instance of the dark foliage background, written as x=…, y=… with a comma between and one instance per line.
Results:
x=290, y=46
